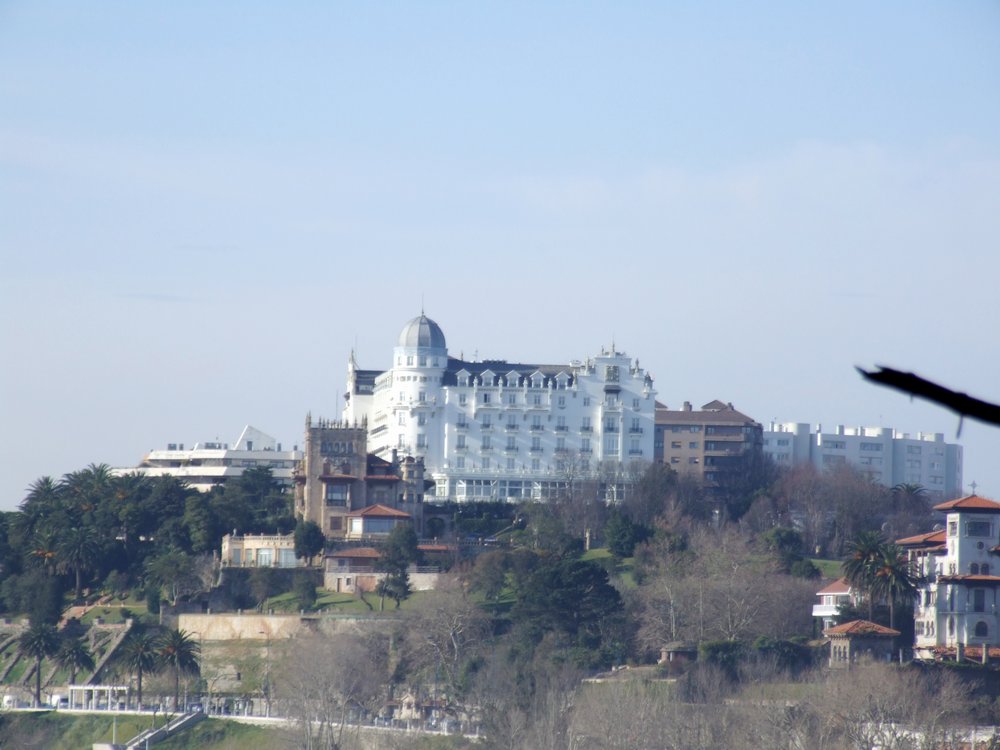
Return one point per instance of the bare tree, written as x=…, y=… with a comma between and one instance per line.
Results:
x=320, y=682
x=445, y=633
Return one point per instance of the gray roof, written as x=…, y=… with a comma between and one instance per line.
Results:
x=422, y=332
x=501, y=368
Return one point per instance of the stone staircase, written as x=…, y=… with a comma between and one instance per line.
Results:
x=174, y=726
x=110, y=652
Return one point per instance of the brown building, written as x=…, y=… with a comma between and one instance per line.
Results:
x=337, y=477
x=708, y=443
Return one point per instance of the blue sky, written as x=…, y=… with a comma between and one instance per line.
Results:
x=202, y=209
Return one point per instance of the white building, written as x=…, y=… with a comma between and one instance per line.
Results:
x=495, y=429
x=206, y=465
x=831, y=599
x=885, y=455
x=958, y=610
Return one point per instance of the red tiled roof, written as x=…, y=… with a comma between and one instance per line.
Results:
x=931, y=537
x=860, y=627
x=380, y=511
x=971, y=502
x=973, y=653
x=971, y=579
x=840, y=586
x=357, y=552
x=434, y=548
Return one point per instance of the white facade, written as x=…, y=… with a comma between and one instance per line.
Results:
x=208, y=464
x=958, y=605
x=831, y=599
x=885, y=455
x=495, y=429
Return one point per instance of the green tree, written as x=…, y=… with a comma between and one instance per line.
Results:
x=140, y=655
x=179, y=653
x=175, y=572
x=893, y=580
x=573, y=598
x=398, y=551
x=74, y=655
x=39, y=642
x=864, y=553
x=304, y=587
x=622, y=535
x=309, y=540
x=79, y=551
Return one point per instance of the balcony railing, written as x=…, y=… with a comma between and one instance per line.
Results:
x=536, y=428
x=561, y=428
x=586, y=428
x=511, y=427
x=635, y=430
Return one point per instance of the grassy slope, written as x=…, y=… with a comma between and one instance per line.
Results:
x=55, y=731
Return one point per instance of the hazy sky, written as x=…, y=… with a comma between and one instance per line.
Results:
x=203, y=209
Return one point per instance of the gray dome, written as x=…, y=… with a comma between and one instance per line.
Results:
x=422, y=332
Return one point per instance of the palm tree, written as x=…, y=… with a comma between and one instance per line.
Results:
x=863, y=555
x=39, y=642
x=77, y=550
x=75, y=656
x=139, y=654
x=893, y=579
x=43, y=548
x=180, y=654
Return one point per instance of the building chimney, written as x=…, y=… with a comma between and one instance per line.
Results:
x=687, y=406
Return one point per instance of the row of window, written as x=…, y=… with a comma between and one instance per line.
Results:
x=510, y=464
x=611, y=424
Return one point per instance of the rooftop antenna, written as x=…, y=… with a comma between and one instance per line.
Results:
x=421, y=304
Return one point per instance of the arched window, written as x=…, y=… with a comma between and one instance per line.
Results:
x=984, y=569
x=974, y=569
x=982, y=629
x=951, y=626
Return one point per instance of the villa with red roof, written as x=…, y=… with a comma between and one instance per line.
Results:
x=831, y=598
x=958, y=605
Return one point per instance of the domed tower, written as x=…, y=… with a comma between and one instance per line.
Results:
x=415, y=401
x=421, y=344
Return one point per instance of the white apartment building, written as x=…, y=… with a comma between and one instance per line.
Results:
x=493, y=429
x=887, y=456
x=957, y=612
x=208, y=464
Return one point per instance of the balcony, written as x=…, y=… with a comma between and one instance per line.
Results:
x=608, y=429
x=533, y=449
x=586, y=428
x=587, y=451
x=511, y=427
x=488, y=427
x=635, y=430
x=537, y=428
x=635, y=451
x=510, y=449
x=461, y=425
x=561, y=428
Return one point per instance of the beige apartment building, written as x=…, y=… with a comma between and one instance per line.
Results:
x=707, y=443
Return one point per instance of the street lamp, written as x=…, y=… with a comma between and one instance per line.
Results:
x=267, y=671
